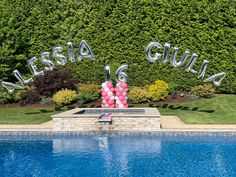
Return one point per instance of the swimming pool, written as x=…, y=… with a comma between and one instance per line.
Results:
x=98, y=154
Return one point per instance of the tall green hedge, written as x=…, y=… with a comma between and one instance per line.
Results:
x=118, y=31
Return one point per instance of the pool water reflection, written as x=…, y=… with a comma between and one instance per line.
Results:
x=116, y=155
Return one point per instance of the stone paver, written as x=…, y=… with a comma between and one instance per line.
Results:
x=168, y=123
x=46, y=126
x=174, y=123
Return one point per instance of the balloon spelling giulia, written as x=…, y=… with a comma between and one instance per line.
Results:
x=165, y=56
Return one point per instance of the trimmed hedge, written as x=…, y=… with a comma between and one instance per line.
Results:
x=118, y=31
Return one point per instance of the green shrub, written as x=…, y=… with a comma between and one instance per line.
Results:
x=204, y=91
x=158, y=90
x=15, y=97
x=86, y=97
x=173, y=88
x=5, y=98
x=88, y=92
x=137, y=95
x=93, y=89
x=64, y=97
x=18, y=94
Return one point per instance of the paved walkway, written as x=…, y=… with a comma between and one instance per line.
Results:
x=175, y=124
x=47, y=126
x=168, y=123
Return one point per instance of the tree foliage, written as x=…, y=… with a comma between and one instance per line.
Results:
x=118, y=31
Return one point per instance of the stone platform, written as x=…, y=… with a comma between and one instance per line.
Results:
x=128, y=119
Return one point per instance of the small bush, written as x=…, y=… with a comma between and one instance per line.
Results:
x=64, y=97
x=54, y=81
x=31, y=96
x=138, y=95
x=7, y=98
x=88, y=92
x=86, y=97
x=17, y=95
x=89, y=88
x=158, y=90
x=173, y=88
x=204, y=91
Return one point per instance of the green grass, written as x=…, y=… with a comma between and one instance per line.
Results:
x=224, y=107
x=218, y=110
x=26, y=114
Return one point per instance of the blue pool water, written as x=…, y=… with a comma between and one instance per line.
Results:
x=117, y=155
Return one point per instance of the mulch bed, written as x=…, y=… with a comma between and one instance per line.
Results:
x=179, y=97
x=15, y=105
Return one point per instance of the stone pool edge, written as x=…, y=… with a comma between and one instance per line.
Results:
x=168, y=124
x=158, y=133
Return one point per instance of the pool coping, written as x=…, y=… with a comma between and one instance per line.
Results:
x=149, y=112
x=105, y=133
x=174, y=122
x=168, y=124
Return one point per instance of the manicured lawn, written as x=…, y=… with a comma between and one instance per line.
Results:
x=26, y=114
x=218, y=110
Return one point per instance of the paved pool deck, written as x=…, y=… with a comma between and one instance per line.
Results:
x=174, y=123
x=168, y=123
x=46, y=126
